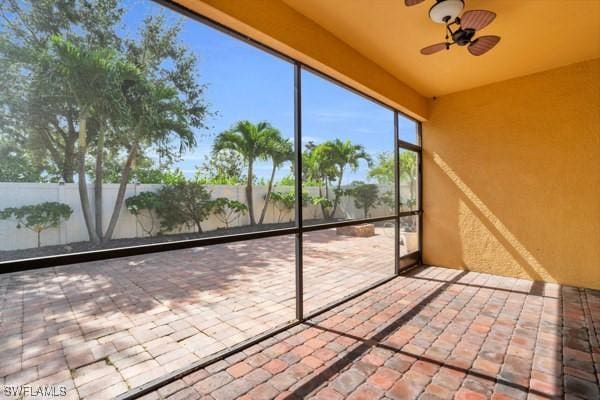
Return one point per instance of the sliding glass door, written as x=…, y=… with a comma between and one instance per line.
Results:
x=409, y=192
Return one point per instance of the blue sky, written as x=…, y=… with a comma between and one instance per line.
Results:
x=244, y=82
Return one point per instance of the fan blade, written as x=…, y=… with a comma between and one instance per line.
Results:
x=412, y=2
x=483, y=44
x=476, y=19
x=434, y=48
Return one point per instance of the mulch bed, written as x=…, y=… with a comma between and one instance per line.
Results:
x=78, y=247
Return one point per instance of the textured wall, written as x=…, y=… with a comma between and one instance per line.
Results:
x=512, y=177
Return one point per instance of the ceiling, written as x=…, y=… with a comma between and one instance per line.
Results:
x=537, y=35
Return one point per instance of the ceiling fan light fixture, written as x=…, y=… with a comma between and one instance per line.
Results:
x=444, y=11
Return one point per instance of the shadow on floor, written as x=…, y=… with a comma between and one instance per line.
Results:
x=576, y=321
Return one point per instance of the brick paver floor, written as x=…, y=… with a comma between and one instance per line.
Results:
x=102, y=328
x=434, y=333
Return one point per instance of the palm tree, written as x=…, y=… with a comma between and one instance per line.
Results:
x=318, y=167
x=279, y=151
x=126, y=103
x=252, y=142
x=93, y=79
x=344, y=154
x=157, y=116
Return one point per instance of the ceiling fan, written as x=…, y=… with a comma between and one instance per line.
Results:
x=448, y=12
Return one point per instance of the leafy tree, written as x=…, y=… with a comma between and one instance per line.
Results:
x=252, y=142
x=78, y=92
x=222, y=168
x=388, y=199
x=38, y=217
x=165, y=105
x=227, y=210
x=383, y=172
x=279, y=150
x=145, y=170
x=383, y=169
x=17, y=165
x=33, y=108
x=93, y=77
x=184, y=203
x=408, y=172
x=173, y=177
x=288, y=180
x=145, y=205
x=366, y=196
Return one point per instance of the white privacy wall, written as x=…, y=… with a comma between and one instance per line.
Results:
x=73, y=230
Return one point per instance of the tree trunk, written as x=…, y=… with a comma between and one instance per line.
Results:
x=268, y=196
x=39, y=233
x=98, y=183
x=198, y=226
x=337, y=193
x=68, y=172
x=82, y=184
x=325, y=216
x=249, y=193
x=121, y=193
x=326, y=180
x=68, y=169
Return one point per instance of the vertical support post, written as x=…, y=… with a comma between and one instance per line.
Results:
x=298, y=187
x=420, y=200
x=396, y=197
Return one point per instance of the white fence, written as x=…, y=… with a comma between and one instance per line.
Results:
x=74, y=230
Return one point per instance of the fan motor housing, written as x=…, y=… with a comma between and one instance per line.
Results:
x=463, y=37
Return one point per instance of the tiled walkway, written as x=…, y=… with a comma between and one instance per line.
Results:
x=434, y=334
x=102, y=328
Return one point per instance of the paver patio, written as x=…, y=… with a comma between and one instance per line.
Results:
x=113, y=325
x=432, y=334
x=100, y=329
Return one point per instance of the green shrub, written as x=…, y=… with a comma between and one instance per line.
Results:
x=366, y=195
x=185, y=203
x=284, y=202
x=144, y=204
x=387, y=199
x=324, y=203
x=227, y=210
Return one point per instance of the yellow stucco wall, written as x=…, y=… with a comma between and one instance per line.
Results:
x=512, y=177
